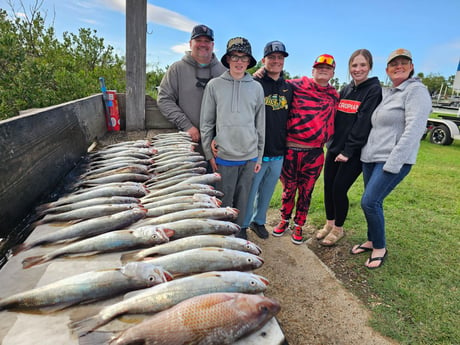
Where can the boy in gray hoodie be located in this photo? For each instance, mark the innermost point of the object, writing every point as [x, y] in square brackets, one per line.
[233, 118]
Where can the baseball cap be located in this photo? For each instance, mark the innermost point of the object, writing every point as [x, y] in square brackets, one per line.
[399, 52]
[324, 59]
[239, 44]
[275, 47]
[202, 30]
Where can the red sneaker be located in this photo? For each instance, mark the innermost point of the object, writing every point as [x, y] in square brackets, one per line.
[281, 228]
[296, 236]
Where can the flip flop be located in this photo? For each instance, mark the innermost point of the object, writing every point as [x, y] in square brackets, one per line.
[379, 258]
[363, 249]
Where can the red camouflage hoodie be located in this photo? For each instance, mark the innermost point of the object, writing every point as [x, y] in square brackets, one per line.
[311, 118]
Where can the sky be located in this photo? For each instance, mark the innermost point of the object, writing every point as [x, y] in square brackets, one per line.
[429, 29]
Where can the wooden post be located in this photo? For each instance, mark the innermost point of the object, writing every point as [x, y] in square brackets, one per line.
[136, 31]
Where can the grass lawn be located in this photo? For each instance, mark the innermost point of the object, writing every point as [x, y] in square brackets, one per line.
[415, 296]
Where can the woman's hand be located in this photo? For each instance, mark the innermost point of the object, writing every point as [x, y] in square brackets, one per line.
[341, 158]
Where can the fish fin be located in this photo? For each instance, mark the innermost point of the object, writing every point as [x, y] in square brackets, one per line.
[99, 338]
[87, 325]
[57, 307]
[32, 261]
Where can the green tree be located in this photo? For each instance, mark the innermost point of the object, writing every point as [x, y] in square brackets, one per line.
[433, 82]
[153, 80]
[38, 70]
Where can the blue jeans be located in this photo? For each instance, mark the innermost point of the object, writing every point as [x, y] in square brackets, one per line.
[377, 185]
[262, 189]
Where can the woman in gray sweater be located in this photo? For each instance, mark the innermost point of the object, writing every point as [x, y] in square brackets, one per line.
[398, 124]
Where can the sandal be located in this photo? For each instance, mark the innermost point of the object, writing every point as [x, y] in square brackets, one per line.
[379, 258]
[361, 248]
[332, 238]
[323, 232]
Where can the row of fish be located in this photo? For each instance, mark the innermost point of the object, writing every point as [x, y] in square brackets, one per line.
[154, 197]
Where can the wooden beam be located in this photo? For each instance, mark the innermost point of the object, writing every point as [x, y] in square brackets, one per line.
[136, 31]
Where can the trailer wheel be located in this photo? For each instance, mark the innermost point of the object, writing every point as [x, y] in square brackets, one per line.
[440, 135]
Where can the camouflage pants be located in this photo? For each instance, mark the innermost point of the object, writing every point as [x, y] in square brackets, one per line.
[301, 169]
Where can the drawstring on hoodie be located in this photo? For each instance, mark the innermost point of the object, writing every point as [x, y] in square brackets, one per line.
[236, 96]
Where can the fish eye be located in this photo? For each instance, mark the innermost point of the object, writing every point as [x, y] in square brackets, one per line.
[252, 283]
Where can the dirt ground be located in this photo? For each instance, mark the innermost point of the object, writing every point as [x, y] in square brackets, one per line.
[310, 282]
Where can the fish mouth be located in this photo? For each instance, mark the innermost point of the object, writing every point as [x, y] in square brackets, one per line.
[217, 201]
[255, 246]
[168, 233]
[263, 280]
[167, 276]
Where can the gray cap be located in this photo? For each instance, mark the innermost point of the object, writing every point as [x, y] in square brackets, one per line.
[399, 52]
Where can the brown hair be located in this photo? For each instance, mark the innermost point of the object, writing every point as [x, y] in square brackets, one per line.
[364, 52]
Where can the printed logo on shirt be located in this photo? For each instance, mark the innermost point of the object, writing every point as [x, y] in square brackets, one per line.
[348, 106]
[277, 102]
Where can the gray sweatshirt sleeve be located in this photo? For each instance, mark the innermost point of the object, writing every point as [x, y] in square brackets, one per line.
[168, 99]
[417, 109]
[208, 121]
[260, 125]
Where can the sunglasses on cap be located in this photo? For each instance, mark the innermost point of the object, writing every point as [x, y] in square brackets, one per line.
[325, 59]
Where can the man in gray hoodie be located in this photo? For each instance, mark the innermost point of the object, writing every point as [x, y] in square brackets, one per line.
[181, 89]
[233, 117]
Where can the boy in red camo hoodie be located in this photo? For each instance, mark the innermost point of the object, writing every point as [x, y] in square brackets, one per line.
[310, 125]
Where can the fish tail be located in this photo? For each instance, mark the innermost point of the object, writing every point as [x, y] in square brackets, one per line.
[125, 258]
[43, 207]
[38, 222]
[85, 326]
[40, 212]
[32, 261]
[96, 338]
[20, 248]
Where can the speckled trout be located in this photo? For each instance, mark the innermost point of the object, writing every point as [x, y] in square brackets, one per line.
[192, 242]
[87, 228]
[88, 286]
[118, 240]
[191, 227]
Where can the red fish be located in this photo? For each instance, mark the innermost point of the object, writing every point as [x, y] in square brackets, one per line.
[217, 318]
